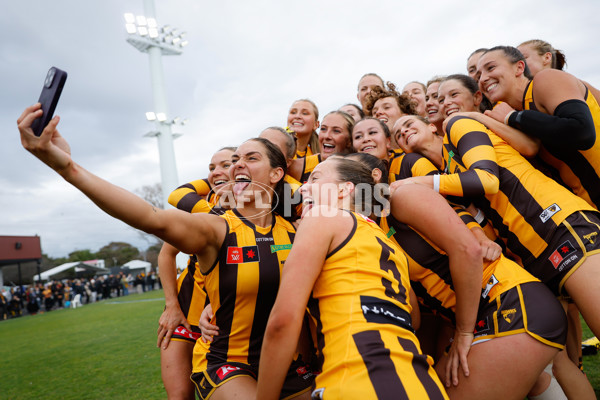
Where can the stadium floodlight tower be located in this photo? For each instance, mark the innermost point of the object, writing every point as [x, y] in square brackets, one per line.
[145, 35]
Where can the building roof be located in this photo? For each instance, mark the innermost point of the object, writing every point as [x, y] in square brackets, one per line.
[78, 266]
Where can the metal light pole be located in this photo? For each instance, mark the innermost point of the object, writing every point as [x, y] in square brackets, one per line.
[147, 37]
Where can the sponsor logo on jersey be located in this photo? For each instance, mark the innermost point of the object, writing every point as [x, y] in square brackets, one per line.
[279, 247]
[390, 232]
[508, 314]
[559, 256]
[591, 237]
[225, 370]
[239, 255]
[491, 283]
[549, 212]
[380, 311]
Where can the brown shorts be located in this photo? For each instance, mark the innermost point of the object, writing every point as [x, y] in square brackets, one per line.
[575, 239]
[527, 308]
[299, 378]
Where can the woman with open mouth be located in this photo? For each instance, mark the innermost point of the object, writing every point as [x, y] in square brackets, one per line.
[554, 107]
[372, 136]
[184, 295]
[334, 138]
[355, 283]
[530, 212]
[473, 289]
[203, 194]
[240, 253]
[303, 120]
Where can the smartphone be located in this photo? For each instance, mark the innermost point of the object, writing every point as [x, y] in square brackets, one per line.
[53, 86]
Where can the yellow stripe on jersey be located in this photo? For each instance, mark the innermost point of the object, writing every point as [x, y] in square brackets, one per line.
[303, 154]
[190, 292]
[360, 302]
[310, 162]
[405, 165]
[430, 270]
[193, 197]
[242, 286]
[578, 169]
[469, 160]
[527, 207]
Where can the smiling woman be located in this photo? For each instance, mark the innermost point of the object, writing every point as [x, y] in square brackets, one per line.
[360, 297]
[388, 105]
[229, 247]
[303, 119]
[334, 134]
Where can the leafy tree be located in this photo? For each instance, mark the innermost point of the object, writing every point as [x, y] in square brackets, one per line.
[81, 255]
[153, 195]
[118, 253]
[152, 254]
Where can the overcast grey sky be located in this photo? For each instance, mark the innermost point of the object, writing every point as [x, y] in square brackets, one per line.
[245, 64]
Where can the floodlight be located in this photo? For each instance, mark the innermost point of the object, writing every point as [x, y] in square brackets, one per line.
[162, 117]
[142, 30]
[151, 23]
[141, 20]
[129, 18]
[131, 29]
[150, 116]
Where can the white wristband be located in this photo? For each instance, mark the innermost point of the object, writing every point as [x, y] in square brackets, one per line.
[508, 116]
[479, 217]
[436, 183]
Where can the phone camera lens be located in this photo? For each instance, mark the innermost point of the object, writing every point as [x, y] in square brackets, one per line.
[49, 78]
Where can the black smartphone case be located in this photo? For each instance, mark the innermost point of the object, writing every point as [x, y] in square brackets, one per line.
[53, 85]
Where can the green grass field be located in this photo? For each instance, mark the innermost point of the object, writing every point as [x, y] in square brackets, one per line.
[105, 350]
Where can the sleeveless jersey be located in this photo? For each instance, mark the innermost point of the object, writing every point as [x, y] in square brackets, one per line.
[578, 169]
[360, 304]
[242, 286]
[190, 292]
[310, 162]
[303, 154]
[295, 196]
[525, 208]
[404, 165]
[430, 271]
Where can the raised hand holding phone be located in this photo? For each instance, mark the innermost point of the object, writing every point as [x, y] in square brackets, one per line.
[53, 86]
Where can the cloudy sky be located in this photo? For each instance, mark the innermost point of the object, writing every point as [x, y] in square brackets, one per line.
[247, 61]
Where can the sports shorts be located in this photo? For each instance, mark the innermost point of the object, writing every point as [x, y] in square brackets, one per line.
[299, 378]
[573, 241]
[526, 308]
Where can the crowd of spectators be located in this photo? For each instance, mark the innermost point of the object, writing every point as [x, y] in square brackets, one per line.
[31, 299]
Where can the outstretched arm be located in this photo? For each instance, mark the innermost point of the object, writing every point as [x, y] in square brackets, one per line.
[429, 213]
[189, 233]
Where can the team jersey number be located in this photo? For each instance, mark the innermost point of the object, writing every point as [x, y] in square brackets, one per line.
[388, 265]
